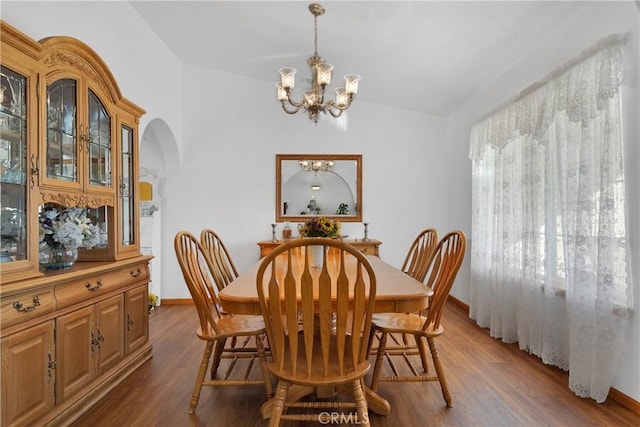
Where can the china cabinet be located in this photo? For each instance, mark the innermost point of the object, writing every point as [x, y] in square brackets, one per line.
[68, 139]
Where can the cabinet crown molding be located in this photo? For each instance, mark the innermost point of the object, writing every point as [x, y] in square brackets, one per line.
[78, 200]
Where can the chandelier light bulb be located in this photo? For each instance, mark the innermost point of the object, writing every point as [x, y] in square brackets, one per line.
[351, 83]
[310, 97]
[341, 97]
[288, 77]
[324, 73]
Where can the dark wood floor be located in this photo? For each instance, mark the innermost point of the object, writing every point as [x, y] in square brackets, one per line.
[492, 384]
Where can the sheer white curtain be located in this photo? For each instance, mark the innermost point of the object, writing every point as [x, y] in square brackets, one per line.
[550, 261]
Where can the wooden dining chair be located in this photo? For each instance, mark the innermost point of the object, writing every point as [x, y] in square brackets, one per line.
[416, 265]
[416, 262]
[224, 272]
[215, 327]
[317, 322]
[440, 276]
[214, 248]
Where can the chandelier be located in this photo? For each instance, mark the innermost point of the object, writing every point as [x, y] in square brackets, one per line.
[313, 100]
[316, 165]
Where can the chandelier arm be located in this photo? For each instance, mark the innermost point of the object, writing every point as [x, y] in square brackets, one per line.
[331, 111]
[295, 104]
[331, 105]
[284, 107]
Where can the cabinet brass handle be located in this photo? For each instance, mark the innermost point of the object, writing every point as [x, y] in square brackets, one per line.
[92, 288]
[51, 365]
[99, 339]
[129, 323]
[34, 169]
[135, 273]
[84, 138]
[96, 341]
[22, 309]
[81, 137]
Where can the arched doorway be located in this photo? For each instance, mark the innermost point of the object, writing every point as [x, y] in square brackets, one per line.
[158, 154]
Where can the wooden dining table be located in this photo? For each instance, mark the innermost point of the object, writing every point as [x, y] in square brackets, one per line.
[396, 292]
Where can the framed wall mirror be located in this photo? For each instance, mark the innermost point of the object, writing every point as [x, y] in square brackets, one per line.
[319, 185]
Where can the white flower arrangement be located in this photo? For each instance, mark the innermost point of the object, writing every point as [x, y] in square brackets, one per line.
[71, 229]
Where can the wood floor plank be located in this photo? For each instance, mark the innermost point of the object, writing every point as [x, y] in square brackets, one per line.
[492, 384]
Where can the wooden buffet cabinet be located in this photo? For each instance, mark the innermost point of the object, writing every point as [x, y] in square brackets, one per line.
[369, 247]
[68, 138]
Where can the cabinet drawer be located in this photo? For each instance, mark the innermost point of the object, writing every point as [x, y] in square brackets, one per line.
[98, 284]
[135, 273]
[367, 250]
[26, 305]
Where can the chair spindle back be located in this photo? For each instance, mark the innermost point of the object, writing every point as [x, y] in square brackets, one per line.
[296, 320]
[416, 263]
[442, 272]
[197, 272]
[216, 250]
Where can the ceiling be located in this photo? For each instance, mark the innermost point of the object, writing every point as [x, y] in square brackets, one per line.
[425, 56]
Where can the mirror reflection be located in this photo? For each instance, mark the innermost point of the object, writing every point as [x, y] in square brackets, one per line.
[318, 184]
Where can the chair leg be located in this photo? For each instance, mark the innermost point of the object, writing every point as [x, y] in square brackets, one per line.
[423, 352]
[377, 370]
[200, 378]
[263, 366]
[217, 356]
[439, 371]
[361, 403]
[278, 407]
[405, 341]
[372, 336]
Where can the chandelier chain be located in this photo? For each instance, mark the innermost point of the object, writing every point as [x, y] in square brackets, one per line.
[315, 35]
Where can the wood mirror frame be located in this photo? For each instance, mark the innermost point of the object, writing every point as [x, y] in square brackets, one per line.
[289, 174]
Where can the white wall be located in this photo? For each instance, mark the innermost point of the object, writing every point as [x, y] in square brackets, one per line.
[594, 22]
[234, 127]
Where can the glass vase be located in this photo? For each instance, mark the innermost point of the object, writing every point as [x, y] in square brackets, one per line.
[57, 258]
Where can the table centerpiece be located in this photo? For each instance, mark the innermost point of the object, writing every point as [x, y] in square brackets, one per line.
[319, 226]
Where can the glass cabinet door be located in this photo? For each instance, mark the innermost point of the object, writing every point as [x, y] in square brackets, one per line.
[127, 201]
[61, 160]
[13, 163]
[99, 143]
[78, 137]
